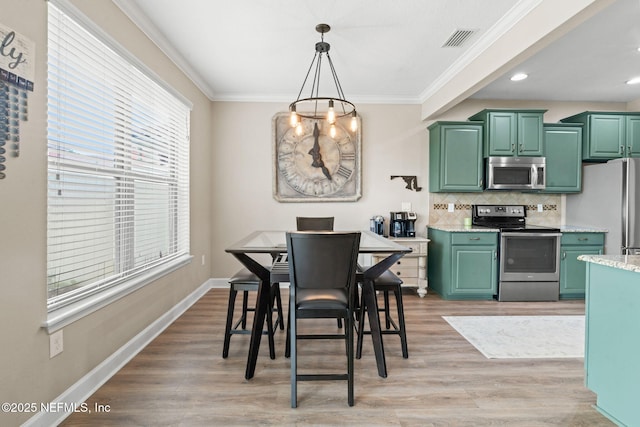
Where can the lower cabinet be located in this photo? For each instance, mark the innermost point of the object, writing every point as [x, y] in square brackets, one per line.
[411, 268]
[463, 265]
[573, 272]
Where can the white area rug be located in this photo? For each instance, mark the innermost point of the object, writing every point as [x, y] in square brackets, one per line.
[505, 337]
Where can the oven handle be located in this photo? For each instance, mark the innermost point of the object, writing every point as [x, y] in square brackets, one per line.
[541, 234]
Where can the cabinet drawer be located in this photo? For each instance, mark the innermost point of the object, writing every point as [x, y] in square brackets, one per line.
[478, 238]
[404, 262]
[417, 246]
[405, 272]
[582, 239]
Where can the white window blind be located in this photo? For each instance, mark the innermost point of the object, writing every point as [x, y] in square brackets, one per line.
[118, 166]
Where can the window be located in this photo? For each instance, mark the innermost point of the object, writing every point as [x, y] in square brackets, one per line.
[118, 165]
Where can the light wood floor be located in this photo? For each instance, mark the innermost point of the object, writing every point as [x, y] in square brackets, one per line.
[182, 379]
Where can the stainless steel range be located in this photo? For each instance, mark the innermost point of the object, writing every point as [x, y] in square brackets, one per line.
[529, 255]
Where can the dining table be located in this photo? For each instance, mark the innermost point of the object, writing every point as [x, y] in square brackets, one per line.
[274, 243]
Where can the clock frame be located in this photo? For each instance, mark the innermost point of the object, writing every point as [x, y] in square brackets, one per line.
[313, 166]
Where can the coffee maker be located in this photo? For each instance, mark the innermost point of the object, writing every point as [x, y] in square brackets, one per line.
[403, 224]
[377, 225]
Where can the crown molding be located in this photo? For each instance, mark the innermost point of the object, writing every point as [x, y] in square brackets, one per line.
[136, 15]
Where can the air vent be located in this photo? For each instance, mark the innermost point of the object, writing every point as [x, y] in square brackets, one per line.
[458, 38]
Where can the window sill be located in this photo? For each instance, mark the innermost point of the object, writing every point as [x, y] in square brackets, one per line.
[64, 316]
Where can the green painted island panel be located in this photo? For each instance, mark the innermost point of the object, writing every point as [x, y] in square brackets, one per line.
[612, 353]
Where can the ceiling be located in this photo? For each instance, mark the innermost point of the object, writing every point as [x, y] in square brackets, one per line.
[391, 52]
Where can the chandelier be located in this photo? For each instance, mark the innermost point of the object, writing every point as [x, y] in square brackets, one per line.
[322, 107]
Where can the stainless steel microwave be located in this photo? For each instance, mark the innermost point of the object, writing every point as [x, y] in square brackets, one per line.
[515, 173]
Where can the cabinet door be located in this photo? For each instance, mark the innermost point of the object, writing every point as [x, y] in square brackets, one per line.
[461, 159]
[530, 140]
[632, 149]
[501, 133]
[573, 273]
[563, 148]
[606, 137]
[474, 270]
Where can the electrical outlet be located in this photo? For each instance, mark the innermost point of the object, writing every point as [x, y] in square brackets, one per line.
[56, 343]
[540, 207]
[202, 259]
[451, 207]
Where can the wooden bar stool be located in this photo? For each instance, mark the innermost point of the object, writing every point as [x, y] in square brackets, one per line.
[245, 281]
[387, 282]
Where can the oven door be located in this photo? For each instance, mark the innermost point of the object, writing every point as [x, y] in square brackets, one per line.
[533, 257]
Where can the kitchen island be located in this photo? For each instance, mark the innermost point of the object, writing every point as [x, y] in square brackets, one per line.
[612, 340]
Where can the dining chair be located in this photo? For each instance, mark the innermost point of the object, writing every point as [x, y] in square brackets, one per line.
[310, 223]
[322, 273]
[315, 223]
[387, 282]
[245, 281]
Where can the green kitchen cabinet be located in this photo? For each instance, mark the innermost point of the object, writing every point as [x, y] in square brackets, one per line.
[512, 132]
[463, 265]
[563, 149]
[608, 135]
[572, 271]
[455, 157]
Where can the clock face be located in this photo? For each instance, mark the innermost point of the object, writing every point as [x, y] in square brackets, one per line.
[313, 166]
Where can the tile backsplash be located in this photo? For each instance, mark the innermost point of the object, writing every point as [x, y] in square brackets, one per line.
[439, 206]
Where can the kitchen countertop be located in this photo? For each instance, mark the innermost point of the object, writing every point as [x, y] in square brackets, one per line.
[581, 229]
[455, 228]
[463, 228]
[622, 262]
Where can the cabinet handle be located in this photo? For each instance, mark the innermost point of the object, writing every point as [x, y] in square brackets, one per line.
[583, 239]
[513, 147]
[495, 255]
[481, 182]
[521, 148]
[399, 262]
[629, 150]
[621, 149]
[564, 255]
[474, 238]
[397, 273]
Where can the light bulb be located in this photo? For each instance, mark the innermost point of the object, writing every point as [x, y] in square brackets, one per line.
[299, 129]
[293, 118]
[331, 114]
[332, 131]
[354, 122]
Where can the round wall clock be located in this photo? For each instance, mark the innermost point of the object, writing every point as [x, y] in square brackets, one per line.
[313, 166]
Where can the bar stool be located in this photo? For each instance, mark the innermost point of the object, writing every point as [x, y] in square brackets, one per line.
[385, 283]
[245, 281]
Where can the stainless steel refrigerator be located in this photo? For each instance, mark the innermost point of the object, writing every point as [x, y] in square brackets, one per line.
[610, 200]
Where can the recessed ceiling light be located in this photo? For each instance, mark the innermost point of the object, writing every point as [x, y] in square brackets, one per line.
[633, 81]
[518, 77]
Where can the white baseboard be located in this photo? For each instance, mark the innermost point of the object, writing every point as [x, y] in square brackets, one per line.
[92, 381]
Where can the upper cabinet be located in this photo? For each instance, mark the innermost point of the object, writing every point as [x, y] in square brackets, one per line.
[608, 135]
[455, 157]
[512, 132]
[563, 149]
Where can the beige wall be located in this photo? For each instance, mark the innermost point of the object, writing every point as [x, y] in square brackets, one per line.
[26, 372]
[394, 142]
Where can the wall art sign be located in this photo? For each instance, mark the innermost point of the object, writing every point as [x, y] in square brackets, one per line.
[17, 70]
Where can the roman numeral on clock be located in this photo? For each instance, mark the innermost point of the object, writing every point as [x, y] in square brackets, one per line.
[344, 172]
[348, 156]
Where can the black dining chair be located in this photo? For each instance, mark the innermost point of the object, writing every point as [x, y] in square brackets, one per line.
[386, 283]
[315, 223]
[322, 273]
[245, 281]
[310, 223]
